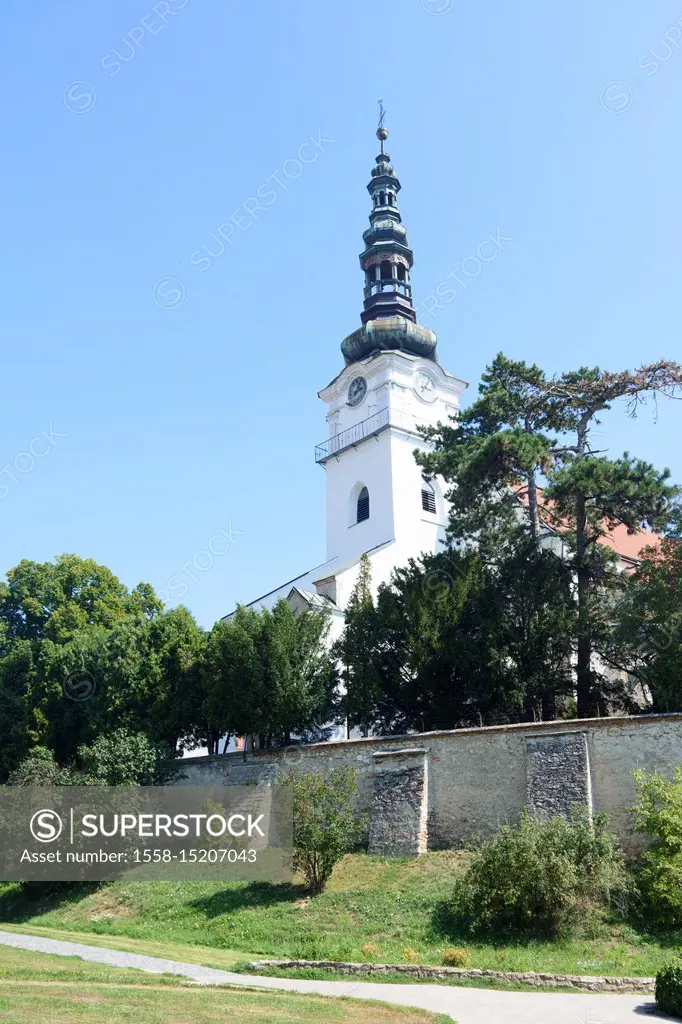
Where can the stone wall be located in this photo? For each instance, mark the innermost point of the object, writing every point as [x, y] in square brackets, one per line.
[558, 774]
[473, 780]
[399, 817]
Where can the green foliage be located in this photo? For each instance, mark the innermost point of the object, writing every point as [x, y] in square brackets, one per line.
[502, 441]
[123, 758]
[622, 492]
[119, 758]
[268, 674]
[669, 988]
[648, 625]
[454, 641]
[355, 651]
[39, 768]
[55, 600]
[526, 429]
[16, 674]
[80, 655]
[541, 877]
[325, 824]
[658, 816]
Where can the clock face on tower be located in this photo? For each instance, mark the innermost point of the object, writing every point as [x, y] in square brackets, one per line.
[357, 390]
[425, 387]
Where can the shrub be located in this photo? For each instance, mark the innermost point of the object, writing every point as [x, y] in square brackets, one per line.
[541, 877]
[658, 815]
[410, 955]
[455, 958]
[325, 826]
[125, 758]
[669, 988]
[370, 949]
[40, 768]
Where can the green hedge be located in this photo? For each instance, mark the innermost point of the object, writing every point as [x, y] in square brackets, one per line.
[669, 988]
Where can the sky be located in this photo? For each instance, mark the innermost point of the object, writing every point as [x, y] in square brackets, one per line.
[159, 410]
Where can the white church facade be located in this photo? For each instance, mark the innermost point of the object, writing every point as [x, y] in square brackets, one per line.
[377, 501]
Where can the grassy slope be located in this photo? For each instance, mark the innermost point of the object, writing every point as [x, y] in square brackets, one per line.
[37, 987]
[391, 905]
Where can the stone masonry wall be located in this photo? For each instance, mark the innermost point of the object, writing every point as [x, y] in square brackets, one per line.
[476, 779]
[558, 774]
[399, 817]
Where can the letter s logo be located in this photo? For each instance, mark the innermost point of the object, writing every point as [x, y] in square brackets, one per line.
[46, 826]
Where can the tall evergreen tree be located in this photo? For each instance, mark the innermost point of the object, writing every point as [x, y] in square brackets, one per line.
[526, 429]
[268, 675]
[355, 652]
[593, 494]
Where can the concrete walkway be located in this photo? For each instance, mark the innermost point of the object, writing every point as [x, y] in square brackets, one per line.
[465, 1005]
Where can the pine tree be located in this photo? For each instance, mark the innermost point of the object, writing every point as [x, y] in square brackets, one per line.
[526, 429]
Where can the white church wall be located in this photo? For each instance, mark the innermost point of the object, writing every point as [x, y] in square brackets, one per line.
[369, 465]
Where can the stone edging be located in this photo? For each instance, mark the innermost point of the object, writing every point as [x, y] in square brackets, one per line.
[544, 980]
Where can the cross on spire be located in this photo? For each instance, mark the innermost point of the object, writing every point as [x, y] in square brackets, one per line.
[382, 134]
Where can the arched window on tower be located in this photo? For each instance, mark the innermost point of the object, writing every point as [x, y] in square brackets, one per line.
[363, 506]
[401, 272]
[428, 498]
[386, 271]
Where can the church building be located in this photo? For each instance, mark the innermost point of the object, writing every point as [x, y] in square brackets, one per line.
[377, 501]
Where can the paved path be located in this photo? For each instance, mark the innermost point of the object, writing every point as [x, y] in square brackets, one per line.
[465, 1005]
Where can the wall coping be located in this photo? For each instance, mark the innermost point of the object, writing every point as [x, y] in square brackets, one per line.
[558, 727]
[404, 752]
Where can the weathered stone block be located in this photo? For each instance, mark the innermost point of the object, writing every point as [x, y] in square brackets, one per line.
[399, 817]
[558, 774]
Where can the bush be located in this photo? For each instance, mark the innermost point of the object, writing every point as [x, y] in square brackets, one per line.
[658, 815]
[541, 877]
[325, 826]
[125, 758]
[455, 958]
[669, 988]
[39, 768]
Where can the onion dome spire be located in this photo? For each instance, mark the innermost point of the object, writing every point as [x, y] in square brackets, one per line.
[387, 259]
[388, 316]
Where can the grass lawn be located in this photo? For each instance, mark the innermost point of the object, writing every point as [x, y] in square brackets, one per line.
[390, 907]
[58, 990]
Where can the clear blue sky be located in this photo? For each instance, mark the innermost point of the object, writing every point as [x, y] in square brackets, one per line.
[180, 422]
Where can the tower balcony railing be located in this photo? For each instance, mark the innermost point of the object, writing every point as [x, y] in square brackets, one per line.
[354, 435]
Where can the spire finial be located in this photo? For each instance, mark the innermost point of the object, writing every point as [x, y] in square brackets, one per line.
[382, 133]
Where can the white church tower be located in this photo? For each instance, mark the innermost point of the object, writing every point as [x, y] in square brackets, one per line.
[378, 503]
[377, 500]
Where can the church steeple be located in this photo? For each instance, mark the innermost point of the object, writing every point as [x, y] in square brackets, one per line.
[387, 259]
[388, 316]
